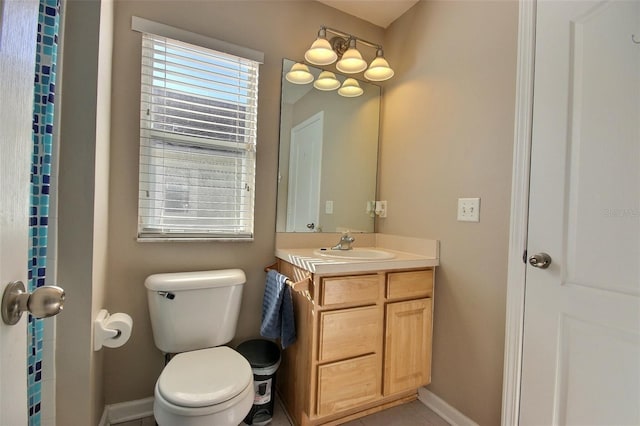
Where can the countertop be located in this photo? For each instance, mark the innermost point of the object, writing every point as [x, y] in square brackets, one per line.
[306, 259]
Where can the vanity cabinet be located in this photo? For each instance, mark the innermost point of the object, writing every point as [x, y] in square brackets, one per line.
[363, 344]
[408, 330]
[407, 345]
[345, 333]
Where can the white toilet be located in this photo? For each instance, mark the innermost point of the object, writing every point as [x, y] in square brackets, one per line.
[191, 314]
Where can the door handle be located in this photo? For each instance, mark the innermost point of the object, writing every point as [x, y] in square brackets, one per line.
[311, 225]
[540, 260]
[44, 302]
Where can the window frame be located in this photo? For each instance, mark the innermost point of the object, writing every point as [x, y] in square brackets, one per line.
[247, 159]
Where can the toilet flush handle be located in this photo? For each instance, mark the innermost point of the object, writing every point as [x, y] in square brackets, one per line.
[167, 295]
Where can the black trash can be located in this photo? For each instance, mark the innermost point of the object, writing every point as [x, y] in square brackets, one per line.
[264, 357]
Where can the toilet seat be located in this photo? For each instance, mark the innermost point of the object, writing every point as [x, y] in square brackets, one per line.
[244, 398]
[205, 379]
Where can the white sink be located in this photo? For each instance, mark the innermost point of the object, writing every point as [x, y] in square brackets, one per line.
[355, 254]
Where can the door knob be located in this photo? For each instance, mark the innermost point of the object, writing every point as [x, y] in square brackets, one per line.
[540, 260]
[44, 302]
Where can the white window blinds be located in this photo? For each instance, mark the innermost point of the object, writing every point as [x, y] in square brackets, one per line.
[197, 142]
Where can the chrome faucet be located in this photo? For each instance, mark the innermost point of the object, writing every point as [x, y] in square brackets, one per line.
[345, 242]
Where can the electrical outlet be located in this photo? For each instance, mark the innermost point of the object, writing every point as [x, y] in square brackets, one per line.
[381, 208]
[468, 209]
[328, 207]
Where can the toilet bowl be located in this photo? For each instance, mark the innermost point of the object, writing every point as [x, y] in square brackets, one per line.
[192, 315]
[204, 388]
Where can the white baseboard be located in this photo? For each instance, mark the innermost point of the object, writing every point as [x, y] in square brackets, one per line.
[443, 409]
[103, 419]
[127, 411]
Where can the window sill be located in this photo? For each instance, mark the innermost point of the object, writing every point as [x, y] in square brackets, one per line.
[193, 240]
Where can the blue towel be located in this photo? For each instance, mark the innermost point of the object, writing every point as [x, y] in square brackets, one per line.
[277, 310]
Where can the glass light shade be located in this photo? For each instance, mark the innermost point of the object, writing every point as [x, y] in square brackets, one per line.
[351, 62]
[326, 81]
[299, 74]
[321, 53]
[350, 88]
[379, 70]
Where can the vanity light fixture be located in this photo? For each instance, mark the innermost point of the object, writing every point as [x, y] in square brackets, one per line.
[379, 69]
[321, 52]
[326, 81]
[299, 74]
[351, 61]
[350, 88]
[325, 52]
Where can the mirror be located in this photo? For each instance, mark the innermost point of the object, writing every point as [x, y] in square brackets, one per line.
[328, 157]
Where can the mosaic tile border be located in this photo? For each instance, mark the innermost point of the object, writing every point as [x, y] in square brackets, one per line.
[43, 111]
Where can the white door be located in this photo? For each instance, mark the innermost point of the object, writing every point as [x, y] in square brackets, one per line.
[581, 354]
[305, 162]
[17, 64]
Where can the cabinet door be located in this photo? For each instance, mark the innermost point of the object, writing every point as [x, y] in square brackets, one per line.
[408, 345]
[347, 384]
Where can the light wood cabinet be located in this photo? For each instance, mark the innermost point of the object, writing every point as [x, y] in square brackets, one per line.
[410, 284]
[359, 289]
[364, 344]
[349, 383]
[345, 333]
[407, 345]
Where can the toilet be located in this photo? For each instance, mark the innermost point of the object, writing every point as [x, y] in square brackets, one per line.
[192, 315]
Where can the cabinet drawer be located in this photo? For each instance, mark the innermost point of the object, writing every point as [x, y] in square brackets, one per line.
[349, 332]
[357, 289]
[346, 384]
[410, 284]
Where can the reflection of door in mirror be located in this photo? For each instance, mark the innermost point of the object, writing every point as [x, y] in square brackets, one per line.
[303, 205]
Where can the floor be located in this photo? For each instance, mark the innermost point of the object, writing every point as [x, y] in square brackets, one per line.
[413, 414]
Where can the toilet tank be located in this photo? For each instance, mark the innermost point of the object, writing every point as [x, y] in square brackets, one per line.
[194, 310]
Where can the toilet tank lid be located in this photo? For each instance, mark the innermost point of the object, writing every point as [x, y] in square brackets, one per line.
[195, 280]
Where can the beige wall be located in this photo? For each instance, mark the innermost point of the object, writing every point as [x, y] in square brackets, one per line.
[83, 206]
[279, 29]
[447, 132]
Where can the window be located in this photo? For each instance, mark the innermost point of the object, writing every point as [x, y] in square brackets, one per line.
[197, 142]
